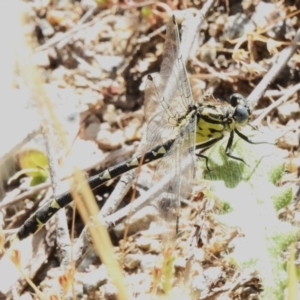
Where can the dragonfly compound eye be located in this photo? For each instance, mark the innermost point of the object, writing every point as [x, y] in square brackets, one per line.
[236, 99]
[241, 115]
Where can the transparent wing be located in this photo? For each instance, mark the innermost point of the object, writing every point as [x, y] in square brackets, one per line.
[179, 167]
[173, 73]
[168, 99]
[168, 95]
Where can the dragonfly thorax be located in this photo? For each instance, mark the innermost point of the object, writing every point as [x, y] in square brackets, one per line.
[213, 121]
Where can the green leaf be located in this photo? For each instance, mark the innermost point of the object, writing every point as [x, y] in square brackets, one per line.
[34, 163]
[283, 197]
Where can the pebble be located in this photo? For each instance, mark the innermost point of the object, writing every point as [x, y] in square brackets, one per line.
[236, 26]
[148, 261]
[46, 28]
[55, 17]
[26, 296]
[110, 141]
[80, 81]
[41, 59]
[132, 261]
[288, 111]
[137, 222]
[289, 140]
[109, 291]
[109, 63]
[143, 243]
[270, 13]
[207, 279]
[91, 281]
[208, 51]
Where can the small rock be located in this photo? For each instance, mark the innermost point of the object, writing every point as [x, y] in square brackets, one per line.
[132, 261]
[215, 28]
[132, 130]
[288, 111]
[270, 13]
[110, 292]
[293, 165]
[46, 28]
[148, 261]
[87, 4]
[105, 126]
[78, 292]
[55, 17]
[89, 98]
[51, 286]
[198, 284]
[91, 281]
[88, 263]
[26, 296]
[289, 140]
[137, 222]
[208, 51]
[109, 63]
[80, 81]
[155, 246]
[110, 141]
[209, 278]
[87, 151]
[221, 61]
[52, 53]
[236, 26]
[111, 114]
[143, 243]
[296, 217]
[180, 263]
[41, 59]
[92, 131]
[63, 4]
[60, 74]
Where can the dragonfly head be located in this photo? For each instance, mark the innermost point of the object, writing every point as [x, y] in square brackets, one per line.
[242, 109]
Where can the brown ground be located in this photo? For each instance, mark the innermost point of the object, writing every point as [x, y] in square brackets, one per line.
[94, 59]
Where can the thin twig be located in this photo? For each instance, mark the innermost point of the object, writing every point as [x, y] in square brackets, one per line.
[79, 26]
[290, 92]
[281, 62]
[191, 27]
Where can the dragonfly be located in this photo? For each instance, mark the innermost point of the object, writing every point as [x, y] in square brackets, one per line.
[177, 127]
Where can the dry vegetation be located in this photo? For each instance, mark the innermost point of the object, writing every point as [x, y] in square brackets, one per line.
[93, 59]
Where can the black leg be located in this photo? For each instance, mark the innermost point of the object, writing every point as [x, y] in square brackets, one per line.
[229, 145]
[205, 157]
[245, 138]
[206, 145]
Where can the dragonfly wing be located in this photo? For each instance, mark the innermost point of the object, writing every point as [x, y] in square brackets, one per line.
[168, 96]
[179, 167]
